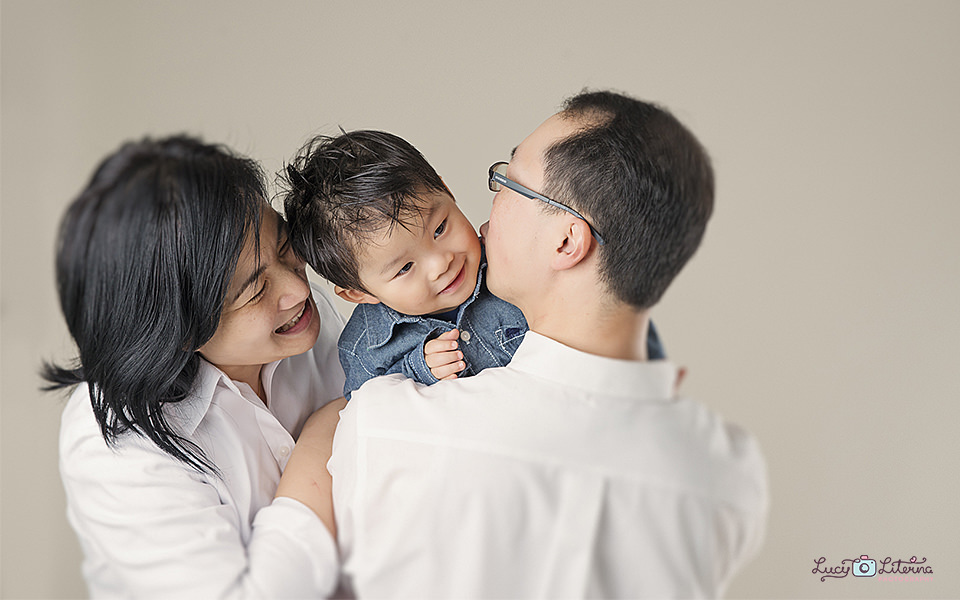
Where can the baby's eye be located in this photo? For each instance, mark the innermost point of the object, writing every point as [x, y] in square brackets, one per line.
[405, 269]
[440, 229]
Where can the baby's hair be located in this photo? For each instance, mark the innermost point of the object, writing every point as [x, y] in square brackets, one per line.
[340, 190]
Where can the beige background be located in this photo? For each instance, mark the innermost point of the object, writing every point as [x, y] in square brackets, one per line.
[821, 312]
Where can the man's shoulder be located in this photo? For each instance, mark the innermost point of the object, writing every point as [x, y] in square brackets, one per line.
[718, 456]
[674, 444]
[399, 401]
[381, 393]
[383, 388]
[383, 400]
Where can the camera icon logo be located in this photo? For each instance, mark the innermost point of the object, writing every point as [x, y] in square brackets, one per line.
[864, 566]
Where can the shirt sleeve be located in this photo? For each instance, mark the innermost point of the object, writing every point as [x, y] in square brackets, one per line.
[415, 364]
[151, 527]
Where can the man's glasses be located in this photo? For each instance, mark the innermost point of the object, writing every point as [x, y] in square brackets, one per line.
[497, 178]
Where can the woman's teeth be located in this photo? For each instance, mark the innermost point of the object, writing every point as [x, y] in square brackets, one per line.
[292, 321]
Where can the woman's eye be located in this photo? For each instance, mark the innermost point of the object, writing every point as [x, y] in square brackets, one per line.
[405, 269]
[440, 229]
[258, 295]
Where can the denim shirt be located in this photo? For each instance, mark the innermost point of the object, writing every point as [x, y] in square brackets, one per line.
[378, 340]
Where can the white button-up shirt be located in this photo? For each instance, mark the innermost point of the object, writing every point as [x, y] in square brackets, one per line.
[561, 475]
[151, 527]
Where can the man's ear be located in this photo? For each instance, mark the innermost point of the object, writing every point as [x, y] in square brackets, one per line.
[574, 245]
[355, 296]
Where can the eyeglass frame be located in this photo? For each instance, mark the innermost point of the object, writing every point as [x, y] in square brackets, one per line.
[493, 176]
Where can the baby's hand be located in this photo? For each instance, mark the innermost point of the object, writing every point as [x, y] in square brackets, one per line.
[442, 356]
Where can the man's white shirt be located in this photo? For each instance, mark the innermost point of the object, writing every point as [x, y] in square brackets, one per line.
[564, 474]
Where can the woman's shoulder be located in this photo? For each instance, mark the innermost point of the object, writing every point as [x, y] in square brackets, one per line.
[85, 453]
[78, 425]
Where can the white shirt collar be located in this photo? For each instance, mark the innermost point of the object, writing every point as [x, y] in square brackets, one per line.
[639, 380]
[188, 413]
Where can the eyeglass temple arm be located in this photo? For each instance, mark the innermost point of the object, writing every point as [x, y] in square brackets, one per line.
[522, 189]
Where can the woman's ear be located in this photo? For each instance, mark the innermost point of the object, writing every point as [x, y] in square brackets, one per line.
[355, 296]
[574, 245]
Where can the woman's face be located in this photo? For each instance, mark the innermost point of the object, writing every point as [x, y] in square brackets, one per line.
[268, 312]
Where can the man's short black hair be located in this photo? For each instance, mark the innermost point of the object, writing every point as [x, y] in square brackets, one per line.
[339, 190]
[643, 180]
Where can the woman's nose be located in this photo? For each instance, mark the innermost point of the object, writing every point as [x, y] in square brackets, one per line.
[294, 287]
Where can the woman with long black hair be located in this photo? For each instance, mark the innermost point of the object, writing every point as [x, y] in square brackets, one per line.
[202, 351]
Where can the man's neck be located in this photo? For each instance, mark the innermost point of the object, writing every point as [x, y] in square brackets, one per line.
[614, 332]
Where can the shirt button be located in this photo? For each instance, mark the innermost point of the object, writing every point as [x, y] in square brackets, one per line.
[284, 451]
[465, 336]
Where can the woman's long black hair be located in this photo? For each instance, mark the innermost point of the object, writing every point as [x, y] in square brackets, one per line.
[144, 259]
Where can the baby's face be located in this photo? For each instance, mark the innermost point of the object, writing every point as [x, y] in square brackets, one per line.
[428, 267]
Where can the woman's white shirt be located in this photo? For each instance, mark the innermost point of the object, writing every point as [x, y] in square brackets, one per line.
[150, 526]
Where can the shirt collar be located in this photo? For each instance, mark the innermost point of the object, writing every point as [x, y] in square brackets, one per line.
[641, 380]
[189, 412]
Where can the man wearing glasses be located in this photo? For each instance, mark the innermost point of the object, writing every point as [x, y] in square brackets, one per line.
[577, 470]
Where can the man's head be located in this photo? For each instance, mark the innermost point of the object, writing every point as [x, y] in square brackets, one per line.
[369, 214]
[636, 175]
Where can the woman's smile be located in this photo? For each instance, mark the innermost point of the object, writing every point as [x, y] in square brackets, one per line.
[299, 322]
